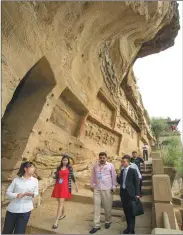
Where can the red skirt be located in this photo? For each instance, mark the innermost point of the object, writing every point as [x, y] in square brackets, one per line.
[61, 189]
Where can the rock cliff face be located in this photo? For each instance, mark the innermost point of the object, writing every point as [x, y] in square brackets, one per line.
[68, 82]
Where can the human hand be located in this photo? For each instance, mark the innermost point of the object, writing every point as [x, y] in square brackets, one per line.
[20, 195]
[92, 189]
[28, 194]
[113, 190]
[137, 197]
[119, 173]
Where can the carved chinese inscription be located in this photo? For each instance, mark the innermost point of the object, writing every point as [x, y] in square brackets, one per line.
[125, 127]
[101, 136]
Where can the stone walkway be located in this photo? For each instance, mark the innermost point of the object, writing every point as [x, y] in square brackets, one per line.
[79, 218]
[79, 213]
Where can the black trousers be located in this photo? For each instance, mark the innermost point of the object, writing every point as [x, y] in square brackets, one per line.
[127, 207]
[140, 186]
[145, 155]
[15, 223]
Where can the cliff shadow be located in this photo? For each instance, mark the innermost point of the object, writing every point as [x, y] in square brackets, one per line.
[23, 111]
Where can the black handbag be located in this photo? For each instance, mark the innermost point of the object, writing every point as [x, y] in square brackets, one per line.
[137, 207]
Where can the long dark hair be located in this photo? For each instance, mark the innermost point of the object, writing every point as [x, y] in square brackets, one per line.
[21, 171]
[64, 156]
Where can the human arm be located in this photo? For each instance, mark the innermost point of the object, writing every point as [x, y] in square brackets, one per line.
[73, 178]
[113, 175]
[135, 167]
[92, 180]
[54, 174]
[72, 175]
[136, 182]
[10, 191]
[138, 172]
[118, 178]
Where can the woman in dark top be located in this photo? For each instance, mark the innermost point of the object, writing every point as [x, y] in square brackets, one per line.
[62, 190]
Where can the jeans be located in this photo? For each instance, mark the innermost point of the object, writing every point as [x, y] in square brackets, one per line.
[16, 223]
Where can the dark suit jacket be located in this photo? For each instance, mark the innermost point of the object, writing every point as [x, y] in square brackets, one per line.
[132, 182]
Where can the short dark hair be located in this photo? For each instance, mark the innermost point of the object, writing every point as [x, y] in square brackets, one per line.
[102, 154]
[127, 157]
[21, 171]
[134, 152]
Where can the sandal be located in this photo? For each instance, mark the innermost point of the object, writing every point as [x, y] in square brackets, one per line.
[62, 217]
[55, 226]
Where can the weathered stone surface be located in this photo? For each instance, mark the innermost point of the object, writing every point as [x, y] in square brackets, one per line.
[157, 165]
[165, 231]
[161, 188]
[67, 79]
[168, 208]
[155, 155]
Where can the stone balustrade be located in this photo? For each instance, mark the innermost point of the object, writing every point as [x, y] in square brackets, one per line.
[163, 216]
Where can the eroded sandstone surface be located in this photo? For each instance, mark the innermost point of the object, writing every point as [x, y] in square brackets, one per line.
[68, 84]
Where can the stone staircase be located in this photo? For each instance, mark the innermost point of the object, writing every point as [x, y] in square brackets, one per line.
[146, 188]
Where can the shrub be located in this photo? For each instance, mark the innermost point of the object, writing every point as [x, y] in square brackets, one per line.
[172, 154]
[158, 127]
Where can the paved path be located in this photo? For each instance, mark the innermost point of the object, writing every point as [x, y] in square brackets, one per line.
[80, 214]
[79, 218]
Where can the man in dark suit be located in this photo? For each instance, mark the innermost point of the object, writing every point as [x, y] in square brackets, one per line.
[129, 190]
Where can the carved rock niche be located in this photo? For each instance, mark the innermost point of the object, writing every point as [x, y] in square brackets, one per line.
[68, 113]
[103, 110]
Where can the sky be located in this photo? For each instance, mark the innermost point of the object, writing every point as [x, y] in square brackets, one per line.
[159, 78]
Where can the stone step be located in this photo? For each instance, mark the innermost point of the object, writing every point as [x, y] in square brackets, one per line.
[145, 199]
[148, 171]
[147, 182]
[79, 219]
[149, 166]
[146, 190]
[86, 197]
[147, 176]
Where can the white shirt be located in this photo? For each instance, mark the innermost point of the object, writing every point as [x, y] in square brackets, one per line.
[125, 171]
[134, 166]
[145, 147]
[21, 185]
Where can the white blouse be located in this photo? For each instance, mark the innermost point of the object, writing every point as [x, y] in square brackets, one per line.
[22, 185]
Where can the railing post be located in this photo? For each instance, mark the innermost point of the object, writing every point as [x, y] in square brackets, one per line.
[166, 221]
[164, 216]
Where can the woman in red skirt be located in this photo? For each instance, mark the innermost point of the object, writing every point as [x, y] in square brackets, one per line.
[62, 190]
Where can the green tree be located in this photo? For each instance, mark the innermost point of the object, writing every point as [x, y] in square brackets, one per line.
[158, 127]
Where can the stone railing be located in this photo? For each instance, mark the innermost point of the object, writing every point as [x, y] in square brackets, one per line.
[163, 217]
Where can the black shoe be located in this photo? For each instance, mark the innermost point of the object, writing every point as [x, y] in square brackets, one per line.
[125, 231]
[131, 232]
[55, 226]
[94, 230]
[107, 225]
